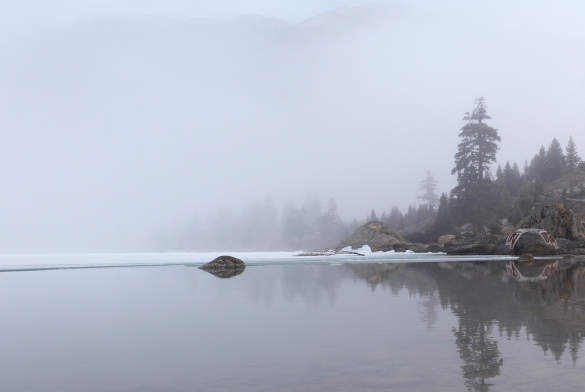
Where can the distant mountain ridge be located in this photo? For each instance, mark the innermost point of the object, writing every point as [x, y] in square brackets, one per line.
[253, 24]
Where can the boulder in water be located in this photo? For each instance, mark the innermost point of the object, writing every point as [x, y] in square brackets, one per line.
[225, 267]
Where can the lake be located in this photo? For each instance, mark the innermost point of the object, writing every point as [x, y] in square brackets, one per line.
[384, 322]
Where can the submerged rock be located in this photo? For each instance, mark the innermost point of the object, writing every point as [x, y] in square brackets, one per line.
[379, 237]
[225, 267]
[526, 259]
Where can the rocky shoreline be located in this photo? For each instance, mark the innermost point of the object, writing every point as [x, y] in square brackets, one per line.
[549, 230]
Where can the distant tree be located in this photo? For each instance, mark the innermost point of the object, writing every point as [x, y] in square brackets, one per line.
[476, 152]
[443, 222]
[555, 161]
[573, 159]
[537, 167]
[410, 217]
[294, 226]
[429, 186]
[396, 219]
[329, 225]
[373, 216]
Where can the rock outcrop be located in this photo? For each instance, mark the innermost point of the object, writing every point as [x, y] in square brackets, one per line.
[558, 220]
[418, 232]
[469, 243]
[379, 237]
[225, 267]
[434, 248]
[523, 241]
[444, 239]
[535, 241]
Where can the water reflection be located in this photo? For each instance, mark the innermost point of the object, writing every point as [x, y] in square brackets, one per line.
[226, 273]
[490, 299]
[402, 327]
[546, 271]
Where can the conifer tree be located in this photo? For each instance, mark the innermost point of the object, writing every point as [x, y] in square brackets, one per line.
[396, 219]
[476, 152]
[572, 157]
[429, 186]
[443, 221]
[537, 166]
[555, 160]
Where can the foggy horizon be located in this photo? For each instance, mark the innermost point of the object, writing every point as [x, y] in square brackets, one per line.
[120, 120]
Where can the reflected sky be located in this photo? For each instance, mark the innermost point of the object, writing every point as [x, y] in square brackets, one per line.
[408, 327]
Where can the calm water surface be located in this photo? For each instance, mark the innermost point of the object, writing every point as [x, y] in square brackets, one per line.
[441, 326]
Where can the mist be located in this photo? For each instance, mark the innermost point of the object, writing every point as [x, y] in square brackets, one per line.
[117, 126]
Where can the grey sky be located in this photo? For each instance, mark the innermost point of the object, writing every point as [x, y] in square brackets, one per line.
[24, 15]
[115, 125]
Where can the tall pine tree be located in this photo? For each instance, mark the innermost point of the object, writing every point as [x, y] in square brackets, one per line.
[476, 152]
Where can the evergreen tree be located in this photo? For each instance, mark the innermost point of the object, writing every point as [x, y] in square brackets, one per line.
[329, 225]
[572, 157]
[396, 219]
[443, 221]
[410, 216]
[373, 216]
[555, 161]
[476, 152]
[537, 166]
[429, 186]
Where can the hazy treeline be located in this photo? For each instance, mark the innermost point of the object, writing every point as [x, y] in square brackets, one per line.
[313, 224]
[261, 226]
[511, 193]
[481, 200]
[507, 197]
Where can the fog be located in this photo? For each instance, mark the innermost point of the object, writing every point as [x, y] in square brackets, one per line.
[122, 119]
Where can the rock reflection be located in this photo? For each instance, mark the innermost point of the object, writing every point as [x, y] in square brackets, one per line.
[375, 274]
[226, 273]
[545, 272]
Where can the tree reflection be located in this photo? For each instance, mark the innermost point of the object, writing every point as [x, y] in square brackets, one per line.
[545, 301]
[479, 351]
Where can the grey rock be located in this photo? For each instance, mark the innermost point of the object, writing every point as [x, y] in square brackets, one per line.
[503, 249]
[558, 220]
[434, 248]
[532, 242]
[225, 267]
[566, 245]
[379, 237]
[526, 259]
[472, 249]
[444, 239]
[469, 243]
[418, 232]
